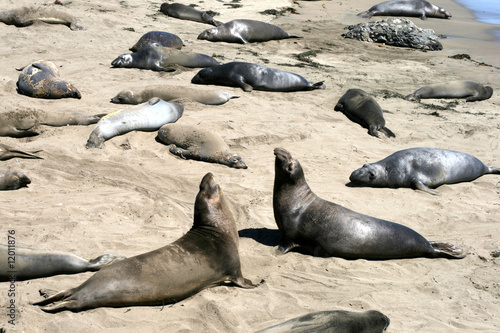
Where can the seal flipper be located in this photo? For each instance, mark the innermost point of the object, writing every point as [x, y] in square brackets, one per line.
[241, 282]
[446, 250]
[366, 14]
[422, 187]
[104, 260]
[493, 171]
[387, 132]
[17, 133]
[317, 85]
[285, 246]
[51, 296]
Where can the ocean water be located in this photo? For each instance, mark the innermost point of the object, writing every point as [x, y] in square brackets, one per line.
[487, 11]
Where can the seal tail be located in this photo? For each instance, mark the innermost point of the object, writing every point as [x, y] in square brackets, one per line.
[366, 14]
[22, 154]
[493, 170]
[294, 36]
[387, 132]
[317, 85]
[446, 250]
[412, 97]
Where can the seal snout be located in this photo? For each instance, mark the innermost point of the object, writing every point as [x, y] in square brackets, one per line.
[122, 60]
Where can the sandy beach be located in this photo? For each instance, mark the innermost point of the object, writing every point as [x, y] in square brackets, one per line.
[133, 196]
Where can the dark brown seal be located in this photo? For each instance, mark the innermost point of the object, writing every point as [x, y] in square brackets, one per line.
[13, 180]
[205, 256]
[161, 38]
[184, 12]
[470, 90]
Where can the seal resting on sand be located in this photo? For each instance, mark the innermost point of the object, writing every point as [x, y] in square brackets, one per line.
[411, 8]
[13, 180]
[7, 152]
[25, 16]
[161, 38]
[204, 257]
[470, 90]
[324, 228]
[421, 168]
[196, 143]
[184, 12]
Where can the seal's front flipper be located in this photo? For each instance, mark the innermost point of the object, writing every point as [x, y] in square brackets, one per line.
[422, 187]
[245, 283]
[285, 246]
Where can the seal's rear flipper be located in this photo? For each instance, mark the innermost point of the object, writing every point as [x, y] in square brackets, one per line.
[22, 133]
[366, 14]
[493, 170]
[446, 250]
[51, 296]
[318, 85]
[387, 132]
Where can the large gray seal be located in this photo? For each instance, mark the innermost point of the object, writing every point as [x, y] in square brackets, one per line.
[250, 76]
[196, 143]
[13, 180]
[470, 90]
[147, 117]
[324, 228]
[7, 152]
[159, 58]
[204, 257]
[245, 31]
[161, 38]
[18, 263]
[333, 322]
[362, 108]
[25, 16]
[411, 8]
[421, 168]
[184, 12]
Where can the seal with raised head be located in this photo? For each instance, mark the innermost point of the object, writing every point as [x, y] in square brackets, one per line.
[159, 58]
[161, 38]
[184, 12]
[196, 143]
[339, 321]
[7, 152]
[324, 228]
[470, 90]
[206, 256]
[33, 264]
[250, 76]
[25, 16]
[146, 117]
[421, 168]
[13, 180]
[360, 107]
[41, 79]
[171, 93]
[411, 8]
[245, 31]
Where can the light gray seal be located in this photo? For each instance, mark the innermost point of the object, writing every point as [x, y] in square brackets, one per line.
[197, 143]
[13, 180]
[19, 263]
[360, 107]
[25, 16]
[245, 31]
[206, 256]
[324, 228]
[146, 117]
[159, 58]
[250, 76]
[333, 322]
[421, 168]
[7, 152]
[171, 93]
[184, 12]
[470, 90]
[411, 8]
[161, 38]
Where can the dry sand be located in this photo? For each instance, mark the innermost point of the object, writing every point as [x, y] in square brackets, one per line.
[133, 196]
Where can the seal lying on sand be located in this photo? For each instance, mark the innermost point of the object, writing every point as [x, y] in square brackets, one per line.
[170, 93]
[147, 117]
[250, 76]
[325, 228]
[362, 108]
[184, 12]
[411, 8]
[161, 38]
[33, 264]
[41, 79]
[470, 90]
[13, 180]
[244, 31]
[204, 257]
[196, 143]
[159, 58]
[334, 322]
[7, 153]
[25, 16]
[20, 124]
[421, 168]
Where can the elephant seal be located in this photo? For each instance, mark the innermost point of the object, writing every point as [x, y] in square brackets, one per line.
[25, 16]
[21, 124]
[333, 321]
[360, 107]
[41, 79]
[196, 143]
[244, 31]
[421, 168]
[184, 12]
[470, 90]
[7, 153]
[250, 76]
[324, 228]
[159, 58]
[161, 38]
[206, 256]
[20, 263]
[411, 8]
[147, 117]
[171, 93]
[13, 180]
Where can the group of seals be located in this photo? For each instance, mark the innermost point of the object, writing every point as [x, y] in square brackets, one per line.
[196, 143]
[325, 228]
[148, 117]
[25, 16]
[412, 8]
[13, 180]
[421, 168]
[206, 256]
[160, 38]
[7, 153]
[184, 12]
[470, 90]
